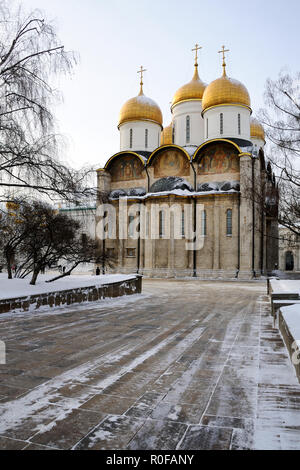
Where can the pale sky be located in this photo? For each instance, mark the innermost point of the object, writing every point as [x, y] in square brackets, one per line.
[115, 37]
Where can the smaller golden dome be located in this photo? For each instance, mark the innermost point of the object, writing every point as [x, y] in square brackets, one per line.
[225, 90]
[140, 108]
[191, 91]
[167, 135]
[256, 129]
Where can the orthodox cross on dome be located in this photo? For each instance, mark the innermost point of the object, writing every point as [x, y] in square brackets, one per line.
[141, 71]
[224, 63]
[196, 49]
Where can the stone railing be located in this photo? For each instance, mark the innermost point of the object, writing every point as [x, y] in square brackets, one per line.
[73, 296]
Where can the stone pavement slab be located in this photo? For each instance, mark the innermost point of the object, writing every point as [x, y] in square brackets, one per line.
[186, 365]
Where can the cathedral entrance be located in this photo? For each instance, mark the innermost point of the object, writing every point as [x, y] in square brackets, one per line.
[289, 261]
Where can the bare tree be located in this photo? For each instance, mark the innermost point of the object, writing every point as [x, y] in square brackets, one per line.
[35, 236]
[281, 119]
[31, 56]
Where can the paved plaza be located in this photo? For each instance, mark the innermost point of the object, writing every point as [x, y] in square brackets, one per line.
[186, 365]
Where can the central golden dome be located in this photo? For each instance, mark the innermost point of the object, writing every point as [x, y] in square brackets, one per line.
[225, 90]
[191, 91]
[140, 108]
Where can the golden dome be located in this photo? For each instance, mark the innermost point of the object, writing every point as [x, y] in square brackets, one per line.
[191, 91]
[167, 135]
[140, 108]
[256, 129]
[225, 90]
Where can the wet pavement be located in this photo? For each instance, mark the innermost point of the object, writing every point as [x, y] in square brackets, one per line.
[186, 365]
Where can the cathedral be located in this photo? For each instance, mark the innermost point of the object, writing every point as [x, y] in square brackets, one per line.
[179, 200]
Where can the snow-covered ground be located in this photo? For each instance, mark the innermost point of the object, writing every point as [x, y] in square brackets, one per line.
[189, 365]
[13, 288]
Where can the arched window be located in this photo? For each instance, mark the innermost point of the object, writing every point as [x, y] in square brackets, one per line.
[207, 128]
[229, 222]
[131, 226]
[182, 224]
[188, 129]
[239, 124]
[148, 225]
[161, 224]
[146, 138]
[289, 261]
[221, 123]
[173, 134]
[203, 224]
[130, 138]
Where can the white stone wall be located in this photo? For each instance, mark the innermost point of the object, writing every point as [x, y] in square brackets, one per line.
[180, 113]
[138, 135]
[288, 242]
[230, 122]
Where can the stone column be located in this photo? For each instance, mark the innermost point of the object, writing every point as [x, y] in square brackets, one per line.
[216, 252]
[171, 247]
[246, 271]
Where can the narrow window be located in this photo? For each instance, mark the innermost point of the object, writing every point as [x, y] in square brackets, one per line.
[188, 129]
[182, 224]
[173, 134]
[148, 225]
[221, 123]
[239, 124]
[203, 224]
[130, 226]
[207, 128]
[229, 222]
[161, 224]
[146, 138]
[130, 138]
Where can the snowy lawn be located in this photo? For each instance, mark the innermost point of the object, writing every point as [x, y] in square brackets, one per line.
[13, 288]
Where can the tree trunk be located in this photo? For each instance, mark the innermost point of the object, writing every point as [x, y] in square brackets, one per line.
[34, 277]
[8, 266]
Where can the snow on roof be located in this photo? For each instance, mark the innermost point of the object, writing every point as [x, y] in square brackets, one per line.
[179, 192]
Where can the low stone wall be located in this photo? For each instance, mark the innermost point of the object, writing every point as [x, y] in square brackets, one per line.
[73, 296]
[289, 341]
[281, 298]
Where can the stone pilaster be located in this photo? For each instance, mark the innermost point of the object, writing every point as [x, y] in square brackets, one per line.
[246, 270]
[104, 181]
[216, 251]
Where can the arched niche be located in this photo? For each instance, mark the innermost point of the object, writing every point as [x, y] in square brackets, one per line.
[126, 166]
[169, 160]
[218, 157]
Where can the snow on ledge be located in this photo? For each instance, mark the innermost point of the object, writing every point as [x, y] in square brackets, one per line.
[285, 285]
[15, 288]
[291, 316]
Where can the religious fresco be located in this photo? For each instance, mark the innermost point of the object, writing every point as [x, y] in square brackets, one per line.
[171, 163]
[217, 159]
[126, 168]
